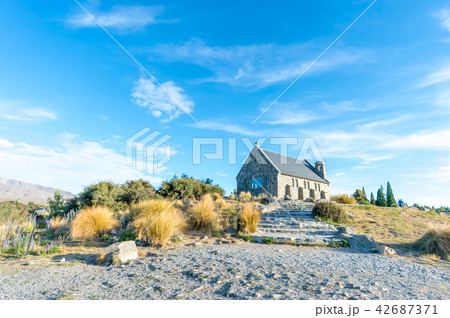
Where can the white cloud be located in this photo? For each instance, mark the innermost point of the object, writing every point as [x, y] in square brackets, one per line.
[6, 143]
[431, 140]
[166, 104]
[16, 111]
[256, 65]
[444, 16]
[119, 17]
[69, 166]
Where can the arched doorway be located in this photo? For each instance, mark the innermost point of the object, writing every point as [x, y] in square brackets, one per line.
[300, 194]
[288, 190]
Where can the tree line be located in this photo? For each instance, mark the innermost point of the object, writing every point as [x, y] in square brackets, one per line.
[387, 200]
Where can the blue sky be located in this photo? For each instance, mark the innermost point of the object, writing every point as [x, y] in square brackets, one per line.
[377, 103]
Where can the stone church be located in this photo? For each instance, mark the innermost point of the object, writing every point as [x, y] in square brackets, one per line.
[282, 176]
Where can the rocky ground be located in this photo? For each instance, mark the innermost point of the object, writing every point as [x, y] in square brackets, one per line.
[226, 271]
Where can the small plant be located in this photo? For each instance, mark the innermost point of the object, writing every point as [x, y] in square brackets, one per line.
[204, 213]
[435, 241]
[336, 244]
[329, 211]
[245, 237]
[127, 236]
[92, 222]
[249, 218]
[218, 234]
[221, 204]
[157, 221]
[268, 240]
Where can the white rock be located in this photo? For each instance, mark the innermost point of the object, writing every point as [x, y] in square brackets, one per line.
[124, 251]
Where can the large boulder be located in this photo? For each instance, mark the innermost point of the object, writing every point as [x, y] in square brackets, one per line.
[121, 252]
[346, 230]
[361, 242]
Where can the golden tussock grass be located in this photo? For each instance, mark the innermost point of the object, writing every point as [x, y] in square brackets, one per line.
[435, 241]
[157, 221]
[249, 218]
[204, 213]
[221, 204]
[58, 224]
[343, 199]
[245, 196]
[91, 222]
[216, 196]
[232, 196]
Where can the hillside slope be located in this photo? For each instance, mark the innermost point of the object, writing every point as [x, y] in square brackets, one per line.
[12, 190]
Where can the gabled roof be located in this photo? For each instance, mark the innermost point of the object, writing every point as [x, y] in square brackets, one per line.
[292, 166]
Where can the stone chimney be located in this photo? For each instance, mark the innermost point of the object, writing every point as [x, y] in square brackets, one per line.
[320, 169]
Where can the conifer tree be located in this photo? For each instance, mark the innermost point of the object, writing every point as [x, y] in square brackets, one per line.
[364, 192]
[381, 199]
[390, 196]
[372, 198]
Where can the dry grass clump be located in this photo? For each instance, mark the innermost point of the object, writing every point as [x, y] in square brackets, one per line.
[329, 211]
[430, 258]
[204, 213]
[221, 204]
[216, 196]
[91, 222]
[435, 241]
[245, 196]
[343, 199]
[249, 218]
[232, 196]
[157, 221]
[58, 224]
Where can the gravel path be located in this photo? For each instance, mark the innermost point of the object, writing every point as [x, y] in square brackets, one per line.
[243, 271]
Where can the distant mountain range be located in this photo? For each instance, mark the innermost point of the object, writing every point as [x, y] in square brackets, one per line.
[12, 190]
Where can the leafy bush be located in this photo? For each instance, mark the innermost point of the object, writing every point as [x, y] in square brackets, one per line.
[360, 197]
[204, 213]
[188, 187]
[249, 218]
[343, 199]
[329, 211]
[157, 221]
[137, 191]
[105, 194]
[93, 221]
[435, 241]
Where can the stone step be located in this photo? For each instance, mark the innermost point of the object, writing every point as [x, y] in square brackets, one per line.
[312, 226]
[298, 231]
[304, 239]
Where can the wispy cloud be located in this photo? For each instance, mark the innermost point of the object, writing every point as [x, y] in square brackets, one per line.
[159, 103]
[256, 65]
[231, 128]
[444, 17]
[119, 17]
[69, 166]
[432, 140]
[439, 76]
[285, 115]
[15, 111]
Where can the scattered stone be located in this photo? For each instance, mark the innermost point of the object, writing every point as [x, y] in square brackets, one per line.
[350, 215]
[197, 244]
[205, 237]
[346, 230]
[195, 290]
[122, 251]
[230, 230]
[277, 296]
[385, 250]
[362, 242]
[62, 260]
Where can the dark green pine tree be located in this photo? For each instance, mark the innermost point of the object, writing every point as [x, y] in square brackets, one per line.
[372, 198]
[364, 192]
[381, 199]
[390, 196]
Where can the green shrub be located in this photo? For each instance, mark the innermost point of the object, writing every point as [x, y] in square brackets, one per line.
[188, 187]
[245, 237]
[336, 244]
[268, 240]
[343, 199]
[329, 211]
